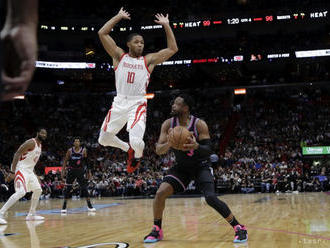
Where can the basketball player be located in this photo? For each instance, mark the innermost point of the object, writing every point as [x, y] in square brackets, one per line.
[22, 167]
[77, 158]
[132, 73]
[192, 163]
[18, 47]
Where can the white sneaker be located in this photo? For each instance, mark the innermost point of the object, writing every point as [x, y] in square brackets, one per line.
[64, 211]
[2, 220]
[33, 217]
[91, 209]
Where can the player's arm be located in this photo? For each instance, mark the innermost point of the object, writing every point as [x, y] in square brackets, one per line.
[24, 148]
[203, 145]
[108, 43]
[162, 146]
[65, 161]
[156, 58]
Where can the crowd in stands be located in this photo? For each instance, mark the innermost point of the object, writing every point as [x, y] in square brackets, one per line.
[263, 155]
[267, 145]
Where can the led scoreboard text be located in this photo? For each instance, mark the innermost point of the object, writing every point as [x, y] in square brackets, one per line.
[266, 18]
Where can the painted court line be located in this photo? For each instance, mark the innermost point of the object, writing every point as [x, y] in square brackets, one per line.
[71, 210]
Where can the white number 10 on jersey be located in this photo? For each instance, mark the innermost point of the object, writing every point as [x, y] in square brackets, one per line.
[130, 77]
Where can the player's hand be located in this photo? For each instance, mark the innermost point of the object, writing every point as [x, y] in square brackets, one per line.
[161, 19]
[19, 57]
[124, 14]
[191, 143]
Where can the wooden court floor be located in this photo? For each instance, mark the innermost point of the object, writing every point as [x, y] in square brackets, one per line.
[284, 220]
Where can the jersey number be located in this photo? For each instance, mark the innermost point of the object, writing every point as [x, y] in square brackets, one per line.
[130, 77]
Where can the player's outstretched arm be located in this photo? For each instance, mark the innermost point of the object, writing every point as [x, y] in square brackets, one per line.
[156, 58]
[162, 146]
[108, 43]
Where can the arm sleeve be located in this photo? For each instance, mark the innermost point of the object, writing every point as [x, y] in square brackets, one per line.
[204, 148]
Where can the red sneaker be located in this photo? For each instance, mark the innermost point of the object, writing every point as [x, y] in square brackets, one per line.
[132, 162]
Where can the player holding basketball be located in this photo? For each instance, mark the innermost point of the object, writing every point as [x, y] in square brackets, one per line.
[193, 163]
[76, 157]
[132, 73]
[22, 167]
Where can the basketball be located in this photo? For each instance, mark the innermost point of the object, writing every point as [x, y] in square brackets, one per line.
[178, 137]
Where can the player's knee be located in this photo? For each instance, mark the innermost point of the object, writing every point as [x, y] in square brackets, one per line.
[211, 199]
[19, 194]
[105, 138]
[67, 189]
[102, 140]
[36, 193]
[161, 194]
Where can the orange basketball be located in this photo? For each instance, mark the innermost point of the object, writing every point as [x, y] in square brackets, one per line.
[178, 137]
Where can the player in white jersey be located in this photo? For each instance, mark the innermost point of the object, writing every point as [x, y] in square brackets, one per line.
[132, 73]
[25, 180]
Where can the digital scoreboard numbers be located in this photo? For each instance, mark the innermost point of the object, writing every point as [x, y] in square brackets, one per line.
[233, 21]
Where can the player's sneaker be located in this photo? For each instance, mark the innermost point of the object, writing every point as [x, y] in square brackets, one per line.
[34, 217]
[91, 209]
[155, 235]
[241, 234]
[132, 162]
[64, 211]
[2, 220]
